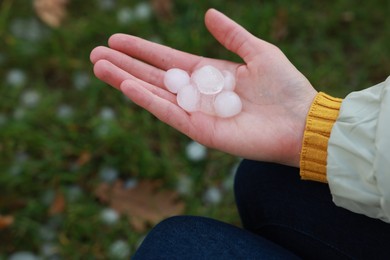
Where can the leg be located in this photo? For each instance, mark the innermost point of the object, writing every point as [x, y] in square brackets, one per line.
[202, 238]
[299, 215]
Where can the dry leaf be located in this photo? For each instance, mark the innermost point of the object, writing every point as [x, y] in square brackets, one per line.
[280, 25]
[163, 8]
[58, 205]
[52, 12]
[144, 204]
[6, 221]
[84, 158]
[347, 16]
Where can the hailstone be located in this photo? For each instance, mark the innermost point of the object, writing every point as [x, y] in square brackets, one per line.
[175, 79]
[208, 79]
[188, 98]
[206, 104]
[208, 90]
[227, 104]
[229, 80]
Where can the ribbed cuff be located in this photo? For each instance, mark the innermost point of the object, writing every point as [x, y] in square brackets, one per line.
[321, 117]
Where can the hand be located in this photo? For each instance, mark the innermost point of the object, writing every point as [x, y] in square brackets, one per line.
[276, 97]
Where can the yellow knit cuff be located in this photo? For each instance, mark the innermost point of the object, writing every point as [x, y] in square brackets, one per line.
[322, 115]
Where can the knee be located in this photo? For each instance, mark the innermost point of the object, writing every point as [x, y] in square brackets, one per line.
[164, 237]
[170, 225]
[173, 235]
[177, 228]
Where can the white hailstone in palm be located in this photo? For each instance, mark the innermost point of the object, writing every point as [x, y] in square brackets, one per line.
[119, 249]
[208, 90]
[229, 80]
[212, 195]
[206, 104]
[208, 79]
[227, 104]
[109, 216]
[175, 79]
[195, 151]
[188, 98]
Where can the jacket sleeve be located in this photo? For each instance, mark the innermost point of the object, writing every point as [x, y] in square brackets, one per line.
[358, 154]
[319, 122]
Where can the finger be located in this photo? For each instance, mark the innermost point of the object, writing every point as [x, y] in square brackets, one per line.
[109, 73]
[163, 109]
[114, 76]
[158, 55]
[231, 35]
[138, 69]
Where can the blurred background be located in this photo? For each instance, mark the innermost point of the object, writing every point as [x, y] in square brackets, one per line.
[84, 172]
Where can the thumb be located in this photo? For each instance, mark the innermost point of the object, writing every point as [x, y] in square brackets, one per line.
[233, 36]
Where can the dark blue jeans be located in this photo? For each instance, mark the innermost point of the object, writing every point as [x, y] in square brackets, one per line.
[283, 218]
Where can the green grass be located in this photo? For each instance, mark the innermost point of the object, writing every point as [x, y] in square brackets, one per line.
[55, 115]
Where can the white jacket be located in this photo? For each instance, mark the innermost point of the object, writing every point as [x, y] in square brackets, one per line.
[358, 162]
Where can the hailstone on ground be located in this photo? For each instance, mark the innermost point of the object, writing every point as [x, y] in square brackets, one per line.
[207, 89]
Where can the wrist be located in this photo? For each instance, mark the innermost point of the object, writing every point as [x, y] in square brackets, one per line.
[319, 122]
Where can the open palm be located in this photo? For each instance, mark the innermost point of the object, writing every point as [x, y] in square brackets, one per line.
[275, 95]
